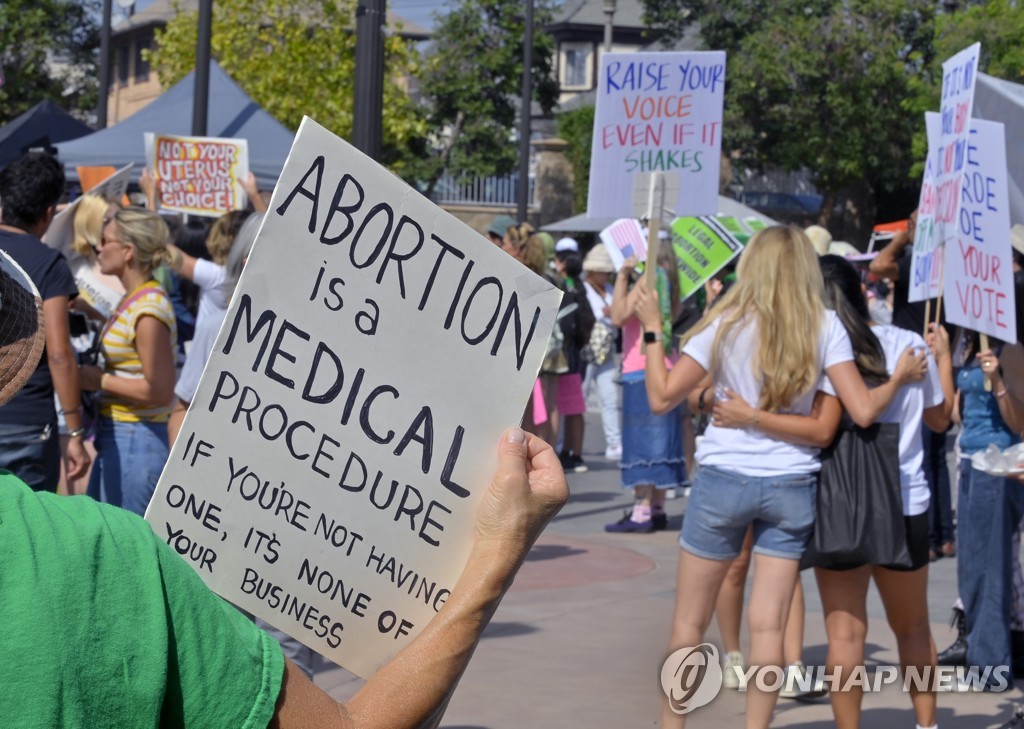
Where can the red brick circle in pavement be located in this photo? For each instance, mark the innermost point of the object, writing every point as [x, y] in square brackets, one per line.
[558, 561]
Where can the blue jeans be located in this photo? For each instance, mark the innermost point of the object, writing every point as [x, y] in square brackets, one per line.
[32, 453]
[989, 509]
[936, 472]
[130, 457]
[604, 378]
[724, 503]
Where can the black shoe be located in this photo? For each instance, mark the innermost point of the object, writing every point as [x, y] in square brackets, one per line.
[659, 521]
[626, 525]
[1017, 653]
[956, 654]
[571, 463]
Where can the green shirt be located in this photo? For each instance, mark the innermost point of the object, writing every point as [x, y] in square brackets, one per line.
[103, 625]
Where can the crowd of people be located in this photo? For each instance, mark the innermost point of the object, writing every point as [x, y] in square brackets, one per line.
[746, 397]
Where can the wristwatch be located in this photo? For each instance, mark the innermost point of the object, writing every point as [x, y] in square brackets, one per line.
[652, 337]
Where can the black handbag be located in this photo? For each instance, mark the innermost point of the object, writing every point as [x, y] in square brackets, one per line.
[859, 514]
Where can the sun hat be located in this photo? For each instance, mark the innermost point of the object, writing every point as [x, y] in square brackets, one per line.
[842, 248]
[567, 244]
[500, 225]
[1017, 238]
[820, 239]
[22, 334]
[597, 260]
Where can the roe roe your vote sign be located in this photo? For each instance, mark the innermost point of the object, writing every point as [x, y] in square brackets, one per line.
[328, 472]
[657, 112]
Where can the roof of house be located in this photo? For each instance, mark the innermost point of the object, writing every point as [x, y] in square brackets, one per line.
[628, 13]
[160, 11]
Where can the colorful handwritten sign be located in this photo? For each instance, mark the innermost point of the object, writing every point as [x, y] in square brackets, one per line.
[959, 74]
[703, 246]
[657, 112]
[926, 255]
[198, 175]
[328, 473]
[978, 288]
[624, 239]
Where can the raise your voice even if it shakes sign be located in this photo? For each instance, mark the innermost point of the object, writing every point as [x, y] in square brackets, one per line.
[328, 472]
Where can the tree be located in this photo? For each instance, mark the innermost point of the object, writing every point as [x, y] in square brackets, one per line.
[471, 82]
[576, 127]
[47, 51]
[296, 57]
[999, 26]
[818, 86]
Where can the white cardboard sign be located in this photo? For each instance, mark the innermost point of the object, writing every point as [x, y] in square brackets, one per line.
[959, 74]
[327, 475]
[657, 112]
[978, 288]
[198, 175]
[926, 255]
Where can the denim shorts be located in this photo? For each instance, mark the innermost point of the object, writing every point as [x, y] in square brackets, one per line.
[723, 504]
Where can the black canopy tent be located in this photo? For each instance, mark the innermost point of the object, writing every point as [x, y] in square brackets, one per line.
[41, 127]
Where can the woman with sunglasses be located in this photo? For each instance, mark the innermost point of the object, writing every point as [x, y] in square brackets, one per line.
[136, 384]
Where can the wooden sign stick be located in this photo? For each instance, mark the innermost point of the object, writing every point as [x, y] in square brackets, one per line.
[655, 209]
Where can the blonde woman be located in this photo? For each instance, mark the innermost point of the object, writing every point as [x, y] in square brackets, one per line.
[137, 383]
[769, 339]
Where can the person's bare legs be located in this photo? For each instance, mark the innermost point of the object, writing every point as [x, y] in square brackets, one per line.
[174, 423]
[770, 597]
[729, 606]
[697, 583]
[548, 430]
[793, 639]
[844, 601]
[573, 440]
[905, 596]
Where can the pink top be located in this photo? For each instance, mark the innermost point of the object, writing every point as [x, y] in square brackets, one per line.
[633, 359]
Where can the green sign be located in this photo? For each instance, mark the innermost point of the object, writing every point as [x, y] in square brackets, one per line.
[732, 224]
[755, 224]
[703, 246]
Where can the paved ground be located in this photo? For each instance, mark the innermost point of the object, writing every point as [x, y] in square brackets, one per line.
[579, 640]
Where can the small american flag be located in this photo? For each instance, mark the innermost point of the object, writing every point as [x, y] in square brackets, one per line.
[628, 238]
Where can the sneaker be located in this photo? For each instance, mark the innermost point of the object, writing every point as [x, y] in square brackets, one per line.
[732, 671]
[613, 453]
[671, 493]
[796, 684]
[571, 463]
[659, 521]
[626, 525]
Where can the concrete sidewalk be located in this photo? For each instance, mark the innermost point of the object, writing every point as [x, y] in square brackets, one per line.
[579, 640]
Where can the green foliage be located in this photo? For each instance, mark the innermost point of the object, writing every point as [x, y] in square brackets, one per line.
[999, 26]
[817, 85]
[295, 58]
[577, 128]
[32, 34]
[471, 80]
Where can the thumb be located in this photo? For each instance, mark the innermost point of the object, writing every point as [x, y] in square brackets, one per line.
[512, 451]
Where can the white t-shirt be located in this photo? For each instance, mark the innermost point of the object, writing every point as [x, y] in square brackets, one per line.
[213, 305]
[746, 450]
[907, 409]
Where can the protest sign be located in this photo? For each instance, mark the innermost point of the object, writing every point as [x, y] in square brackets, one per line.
[978, 287]
[99, 291]
[703, 246]
[657, 112]
[327, 474]
[624, 239]
[926, 255]
[198, 175]
[940, 189]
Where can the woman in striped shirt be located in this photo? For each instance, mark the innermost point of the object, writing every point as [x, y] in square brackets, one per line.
[136, 384]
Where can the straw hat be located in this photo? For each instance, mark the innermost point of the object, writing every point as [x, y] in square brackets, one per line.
[598, 260]
[22, 335]
[820, 239]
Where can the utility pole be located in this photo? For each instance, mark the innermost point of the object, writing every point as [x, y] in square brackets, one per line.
[609, 24]
[524, 116]
[201, 90]
[104, 91]
[367, 125]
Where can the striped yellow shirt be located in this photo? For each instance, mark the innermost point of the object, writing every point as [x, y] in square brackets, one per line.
[122, 357]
